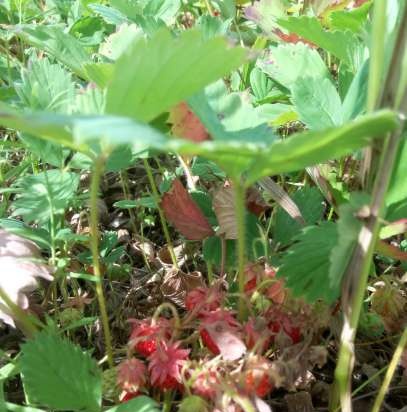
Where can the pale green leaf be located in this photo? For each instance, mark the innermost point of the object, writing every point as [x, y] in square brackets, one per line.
[340, 43]
[398, 185]
[62, 46]
[317, 102]
[58, 374]
[44, 195]
[287, 63]
[158, 73]
[353, 20]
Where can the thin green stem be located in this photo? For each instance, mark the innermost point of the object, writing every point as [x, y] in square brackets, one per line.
[241, 244]
[156, 196]
[94, 244]
[390, 372]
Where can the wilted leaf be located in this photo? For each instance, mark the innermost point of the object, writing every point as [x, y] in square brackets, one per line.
[227, 340]
[186, 124]
[20, 267]
[184, 214]
[177, 284]
[224, 207]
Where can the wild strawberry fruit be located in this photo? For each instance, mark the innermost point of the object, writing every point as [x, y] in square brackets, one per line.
[131, 375]
[206, 383]
[217, 320]
[204, 299]
[147, 332]
[256, 376]
[165, 365]
[284, 325]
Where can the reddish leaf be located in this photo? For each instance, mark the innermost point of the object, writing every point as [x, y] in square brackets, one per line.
[186, 124]
[293, 38]
[180, 209]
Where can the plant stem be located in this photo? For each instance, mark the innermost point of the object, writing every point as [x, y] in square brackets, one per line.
[357, 271]
[98, 167]
[156, 196]
[241, 247]
[390, 372]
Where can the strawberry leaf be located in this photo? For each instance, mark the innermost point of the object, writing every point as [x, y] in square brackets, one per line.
[306, 265]
[57, 374]
[182, 211]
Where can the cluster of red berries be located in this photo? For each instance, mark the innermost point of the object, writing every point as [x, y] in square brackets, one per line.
[164, 364]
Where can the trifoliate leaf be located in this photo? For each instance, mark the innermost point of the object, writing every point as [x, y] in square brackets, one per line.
[306, 265]
[57, 374]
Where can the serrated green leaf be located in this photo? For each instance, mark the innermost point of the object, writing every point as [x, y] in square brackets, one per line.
[317, 102]
[309, 148]
[57, 374]
[139, 404]
[44, 195]
[305, 267]
[58, 44]
[352, 20]
[287, 63]
[340, 43]
[158, 73]
[310, 203]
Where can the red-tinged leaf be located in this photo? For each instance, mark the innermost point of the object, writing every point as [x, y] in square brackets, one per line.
[227, 339]
[391, 251]
[186, 124]
[293, 38]
[180, 209]
[255, 202]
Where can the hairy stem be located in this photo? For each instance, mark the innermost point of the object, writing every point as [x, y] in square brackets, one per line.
[163, 221]
[94, 244]
[241, 246]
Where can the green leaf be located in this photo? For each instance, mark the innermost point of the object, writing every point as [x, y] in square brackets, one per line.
[265, 13]
[12, 407]
[139, 404]
[310, 148]
[353, 20]
[57, 374]
[228, 117]
[355, 100]
[287, 63]
[58, 44]
[348, 228]
[158, 73]
[305, 267]
[310, 203]
[398, 185]
[317, 102]
[340, 43]
[44, 195]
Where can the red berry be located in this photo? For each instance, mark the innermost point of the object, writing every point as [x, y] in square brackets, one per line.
[206, 383]
[292, 331]
[250, 286]
[146, 333]
[208, 342]
[256, 376]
